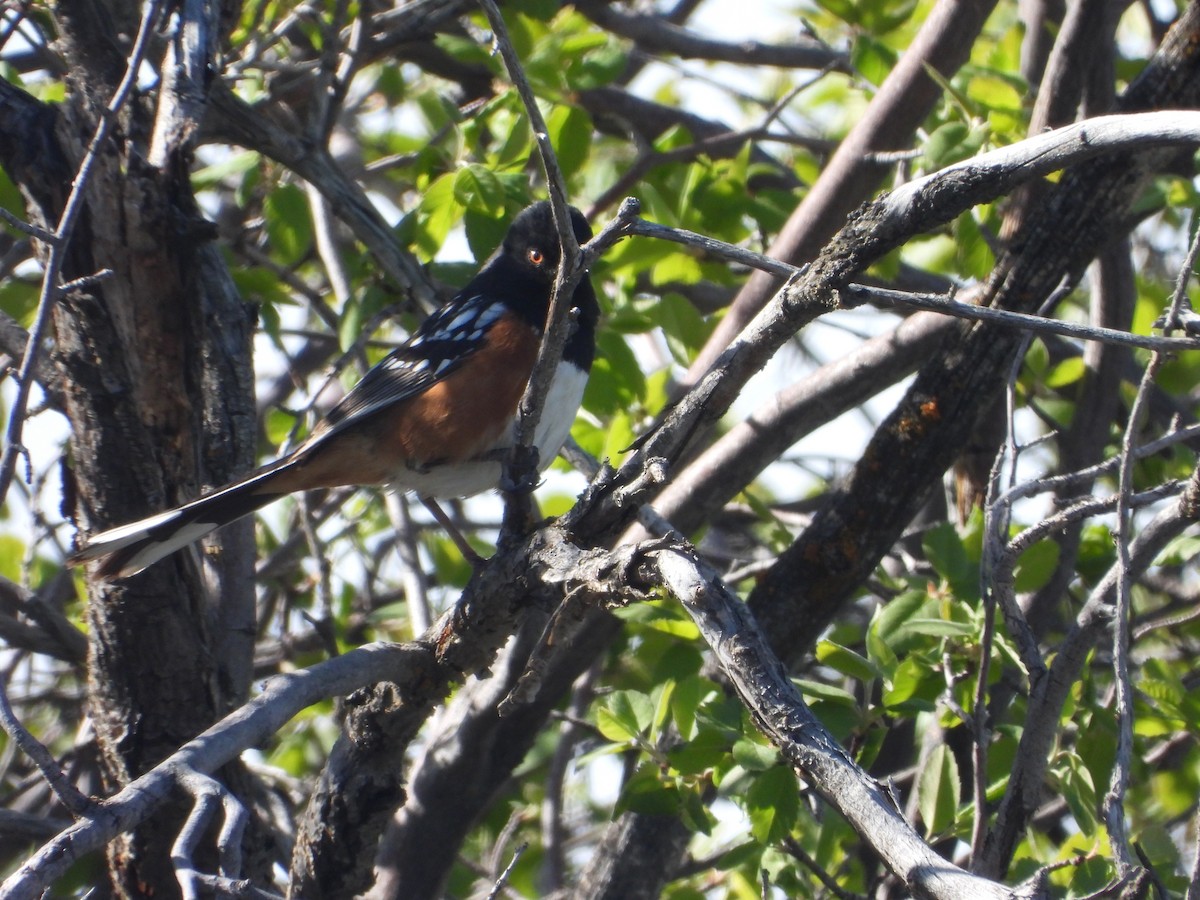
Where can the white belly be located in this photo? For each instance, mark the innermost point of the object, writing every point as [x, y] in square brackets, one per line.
[472, 477]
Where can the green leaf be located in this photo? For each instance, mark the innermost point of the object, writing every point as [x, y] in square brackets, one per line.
[941, 628]
[1066, 372]
[278, 425]
[662, 616]
[537, 9]
[1075, 785]
[947, 554]
[1180, 551]
[817, 690]
[993, 92]
[478, 189]
[617, 381]
[882, 16]
[694, 811]
[904, 682]
[648, 792]
[872, 58]
[1036, 565]
[225, 168]
[19, 299]
[599, 67]
[625, 716]
[351, 324]
[975, 257]
[885, 628]
[440, 211]
[484, 234]
[844, 660]
[680, 267]
[12, 551]
[662, 705]
[703, 752]
[755, 756]
[846, 10]
[570, 130]
[772, 804]
[683, 327]
[680, 662]
[941, 148]
[685, 700]
[939, 790]
[289, 226]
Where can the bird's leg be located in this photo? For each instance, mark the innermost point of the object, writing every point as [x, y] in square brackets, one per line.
[520, 472]
[460, 542]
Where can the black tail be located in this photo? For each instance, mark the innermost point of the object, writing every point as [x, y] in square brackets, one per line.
[128, 549]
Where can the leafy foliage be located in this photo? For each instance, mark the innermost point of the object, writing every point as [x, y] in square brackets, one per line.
[923, 674]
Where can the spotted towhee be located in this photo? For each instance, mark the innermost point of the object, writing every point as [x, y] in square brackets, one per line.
[432, 417]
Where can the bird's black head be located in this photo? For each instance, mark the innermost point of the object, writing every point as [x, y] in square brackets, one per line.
[522, 271]
[532, 241]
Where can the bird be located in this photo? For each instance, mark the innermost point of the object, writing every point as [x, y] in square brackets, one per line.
[434, 417]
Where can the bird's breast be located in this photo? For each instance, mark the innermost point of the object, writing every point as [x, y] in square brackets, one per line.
[463, 476]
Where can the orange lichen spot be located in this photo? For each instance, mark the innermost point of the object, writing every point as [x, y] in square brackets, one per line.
[910, 428]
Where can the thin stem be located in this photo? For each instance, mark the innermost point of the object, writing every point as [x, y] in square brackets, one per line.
[570, 269]
[504, 876]
[857, 294]
[75, 802]
[51, 291]
[1114, 799]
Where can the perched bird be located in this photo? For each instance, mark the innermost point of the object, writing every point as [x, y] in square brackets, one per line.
[434, 416]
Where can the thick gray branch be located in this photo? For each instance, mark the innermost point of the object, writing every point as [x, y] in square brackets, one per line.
[763, 685]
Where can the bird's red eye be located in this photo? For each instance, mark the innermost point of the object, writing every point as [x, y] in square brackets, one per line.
[535, 256]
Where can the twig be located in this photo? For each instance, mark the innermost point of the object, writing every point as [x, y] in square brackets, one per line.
[186, 69]
[780, 712]
[570, 267]
[1086, 507]
[1193, 889]
[712, 145]
[1037, 324]
[996, 521]
[58, 244]
[234, 887]
[11, 22]
[76, 803]
[554, 832]
[325, 238]
[1057, 482]
[324, 619]
[207, 793]
[328, 90]
[282, 697]
[1047, 697]
[1114, 799]
[28, 228]
[860, 293]
[656, 33]
[792, 846]
[416, 589]
[500, 882]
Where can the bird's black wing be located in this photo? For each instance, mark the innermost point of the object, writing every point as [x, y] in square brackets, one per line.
[438, 348]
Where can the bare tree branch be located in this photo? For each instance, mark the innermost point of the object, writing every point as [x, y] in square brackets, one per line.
[781, 714]
[282, 697]
[902, 102]
[653, 33]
